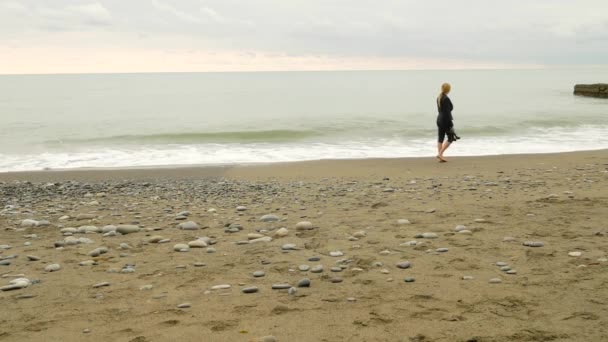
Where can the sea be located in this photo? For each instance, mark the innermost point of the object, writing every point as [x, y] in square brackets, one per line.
[164, 119]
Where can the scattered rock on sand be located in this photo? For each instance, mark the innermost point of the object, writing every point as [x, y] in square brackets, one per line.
[304, 225]
[269, 218]
[189, 225]
[534, 244]
[52, 268]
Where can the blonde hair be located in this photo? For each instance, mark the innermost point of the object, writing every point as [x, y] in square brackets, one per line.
[445, 89]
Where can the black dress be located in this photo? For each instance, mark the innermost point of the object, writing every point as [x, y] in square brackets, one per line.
[444, 118]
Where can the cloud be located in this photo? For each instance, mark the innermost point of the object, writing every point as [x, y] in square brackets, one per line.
[467, 32]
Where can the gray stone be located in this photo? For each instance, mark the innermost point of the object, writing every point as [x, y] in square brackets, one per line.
[288, 247]
[259, 274]
[441, 250]
[404, 264]
[304, 268]
[317, 269]
[304, 283]
[184, 306]
[52, 268]
[101, 284]
[304, 225]
[33, 258]
[336, 269]
[495, 281]
[269, 218]
[127, 229]
[336, 254]
[251, 289]
[181, 247]
[280, 286]
[534, 244]
[336, 280]
[409, 280]
[429, 236]
[292, 291]
[189, 225]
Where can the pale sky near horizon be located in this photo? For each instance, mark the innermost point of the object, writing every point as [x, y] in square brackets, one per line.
[70, 36]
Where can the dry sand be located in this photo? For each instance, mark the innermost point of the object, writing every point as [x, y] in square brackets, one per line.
[560, 200]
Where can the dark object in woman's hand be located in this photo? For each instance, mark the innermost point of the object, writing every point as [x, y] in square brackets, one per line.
[452, 136]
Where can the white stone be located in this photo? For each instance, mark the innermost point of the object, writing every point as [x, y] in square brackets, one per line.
[281, 232]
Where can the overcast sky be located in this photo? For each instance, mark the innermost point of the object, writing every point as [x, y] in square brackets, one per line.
[55, 36]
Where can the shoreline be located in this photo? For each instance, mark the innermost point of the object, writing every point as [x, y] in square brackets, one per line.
[346, 167]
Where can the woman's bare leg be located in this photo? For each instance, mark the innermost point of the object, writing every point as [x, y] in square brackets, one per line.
[443, 148]
[439, 148]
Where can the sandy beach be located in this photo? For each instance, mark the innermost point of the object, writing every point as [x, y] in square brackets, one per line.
[501, 248]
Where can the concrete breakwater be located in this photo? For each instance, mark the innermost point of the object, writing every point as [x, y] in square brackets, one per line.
[593, 90]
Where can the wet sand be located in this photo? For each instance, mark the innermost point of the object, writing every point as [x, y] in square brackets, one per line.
[371, 211]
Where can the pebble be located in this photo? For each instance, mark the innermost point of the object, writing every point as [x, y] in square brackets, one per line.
[360, 234]
[336, 254]
[155, 239]
[304, 268]
[409, 280]
[505, 268]
[575, 254]
[280, 286]
[269, 218]
[5, 262]
[197, 244]
[441, 250]
[511, 272]
[336, 269]
[460, 228]
[501, 263]
[336, 280]
[101, 284]
[146, 288]
[429, 236]
[127, 229]
[409, 243]
[292, 291]
[281, 232]
[495, 281]
[534, 244]
[184, 306]
[258, 274]
[241, 208]
[404, 264]
[199, 264]
[251, 289]
[289, 247]
[317, 269]
[509, 239]
[87, 263]
[221, 287]
[33, 258]
[16, 284]
[467, 278]
[304, 225]
[402, 222]
[180, 247]
[210, 250]
[264, 239]
[385, 252]
[304, 283]
[268, 338]
[52, 268]
[465, 232]
[189, 225]
[314, 259]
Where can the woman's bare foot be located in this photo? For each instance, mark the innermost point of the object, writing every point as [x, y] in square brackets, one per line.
[441, 159]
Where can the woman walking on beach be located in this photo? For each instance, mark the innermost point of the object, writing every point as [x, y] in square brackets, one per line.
[445, 126]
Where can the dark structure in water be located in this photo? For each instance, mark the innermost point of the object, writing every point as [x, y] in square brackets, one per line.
[592, 90]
